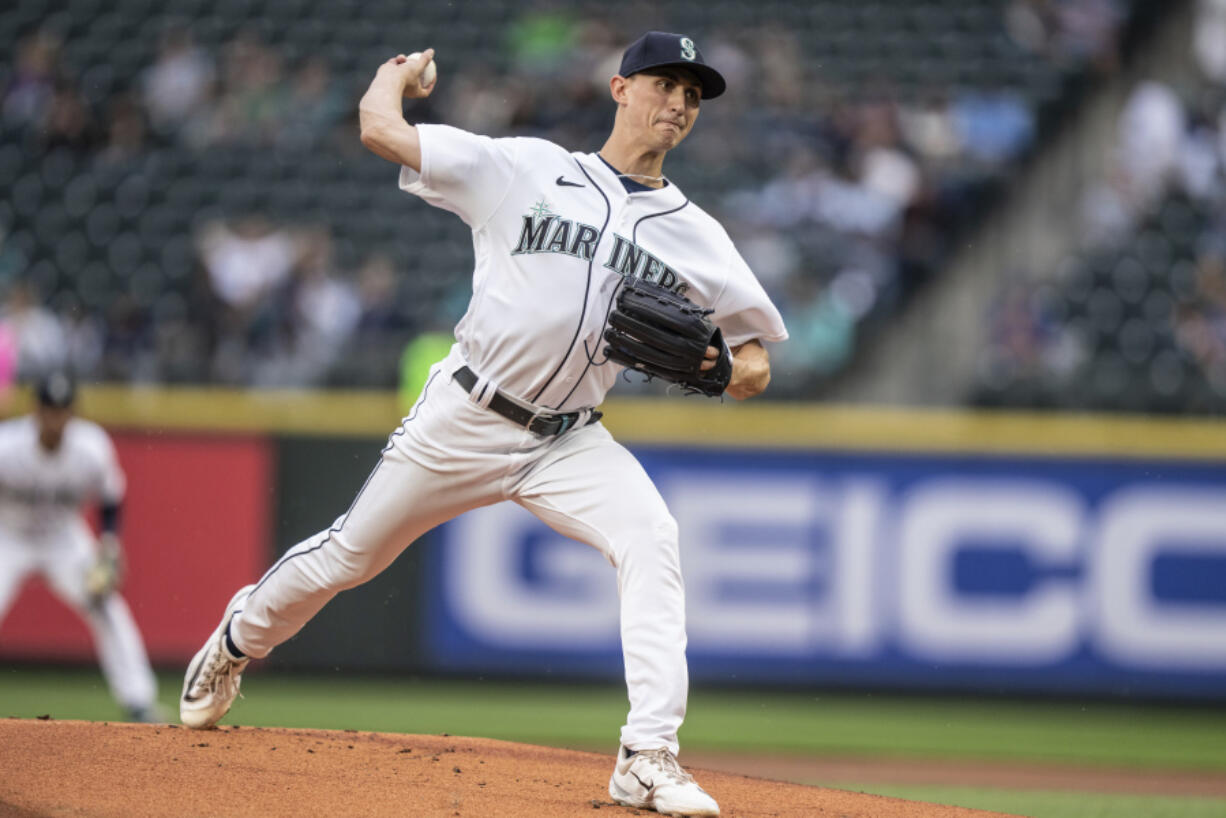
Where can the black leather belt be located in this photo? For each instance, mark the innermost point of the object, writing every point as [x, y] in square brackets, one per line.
[554, 423]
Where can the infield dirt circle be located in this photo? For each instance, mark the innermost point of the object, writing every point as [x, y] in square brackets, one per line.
[75, 768]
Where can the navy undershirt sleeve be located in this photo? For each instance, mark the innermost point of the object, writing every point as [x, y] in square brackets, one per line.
[109, 513]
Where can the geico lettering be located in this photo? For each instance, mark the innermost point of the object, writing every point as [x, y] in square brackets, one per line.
[573, 604]
[790, 564]
[780, 564]
[938, 519]
[1133, 626]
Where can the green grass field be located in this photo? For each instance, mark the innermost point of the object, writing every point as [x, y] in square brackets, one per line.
[1059, 804]
[1115, 734]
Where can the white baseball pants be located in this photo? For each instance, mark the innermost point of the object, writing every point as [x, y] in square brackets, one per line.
[63, 558]
[451, 455]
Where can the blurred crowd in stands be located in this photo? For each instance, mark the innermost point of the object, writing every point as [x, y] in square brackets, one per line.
[1135, 318]
[854, 147]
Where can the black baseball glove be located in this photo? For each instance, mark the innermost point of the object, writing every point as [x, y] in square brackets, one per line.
[665, 335]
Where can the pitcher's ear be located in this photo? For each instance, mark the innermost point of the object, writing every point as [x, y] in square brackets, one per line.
[617, 88]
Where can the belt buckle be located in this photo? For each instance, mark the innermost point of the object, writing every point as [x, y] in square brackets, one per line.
[537, 415]
[565, 421]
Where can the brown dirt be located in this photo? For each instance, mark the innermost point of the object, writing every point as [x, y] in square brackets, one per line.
[73, 768]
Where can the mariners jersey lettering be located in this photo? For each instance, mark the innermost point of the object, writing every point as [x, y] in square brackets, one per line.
[532, 238]
[41, 491]
[625, 257]
[561, 227]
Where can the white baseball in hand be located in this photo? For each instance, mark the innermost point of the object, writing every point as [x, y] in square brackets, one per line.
[428, 74]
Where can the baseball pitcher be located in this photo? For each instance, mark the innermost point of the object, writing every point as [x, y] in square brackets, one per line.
[586, 264]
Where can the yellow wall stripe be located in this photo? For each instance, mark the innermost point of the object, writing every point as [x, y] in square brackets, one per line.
[888, 429]
[684, 421]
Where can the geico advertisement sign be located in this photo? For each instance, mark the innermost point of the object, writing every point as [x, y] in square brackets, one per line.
[1001, 572]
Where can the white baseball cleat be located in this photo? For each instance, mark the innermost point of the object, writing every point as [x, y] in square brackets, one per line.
[653, 779]
[213, 677]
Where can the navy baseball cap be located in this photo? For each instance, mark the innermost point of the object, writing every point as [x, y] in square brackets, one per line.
[656, 49]
[56, 390]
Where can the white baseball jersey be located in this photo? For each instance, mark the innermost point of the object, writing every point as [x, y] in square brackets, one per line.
[554, 233]
[41, 492]
[42, 532]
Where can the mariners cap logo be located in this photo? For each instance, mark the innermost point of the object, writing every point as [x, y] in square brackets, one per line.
[656, 49]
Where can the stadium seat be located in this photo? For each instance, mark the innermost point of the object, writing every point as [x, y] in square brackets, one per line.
[136, 216]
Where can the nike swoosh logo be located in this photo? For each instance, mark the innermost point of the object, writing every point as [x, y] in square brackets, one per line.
[188, 697]
[645, 785]
[563, 183]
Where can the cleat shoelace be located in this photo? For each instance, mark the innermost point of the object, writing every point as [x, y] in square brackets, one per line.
[664, 761]
[221, 674]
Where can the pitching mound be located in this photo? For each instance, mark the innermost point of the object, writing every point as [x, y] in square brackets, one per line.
[53, 768]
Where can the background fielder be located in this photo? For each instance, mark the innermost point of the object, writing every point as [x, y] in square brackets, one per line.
[510, 413]
[51, 465]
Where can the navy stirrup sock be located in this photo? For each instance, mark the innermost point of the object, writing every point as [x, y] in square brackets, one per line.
[232, 648]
